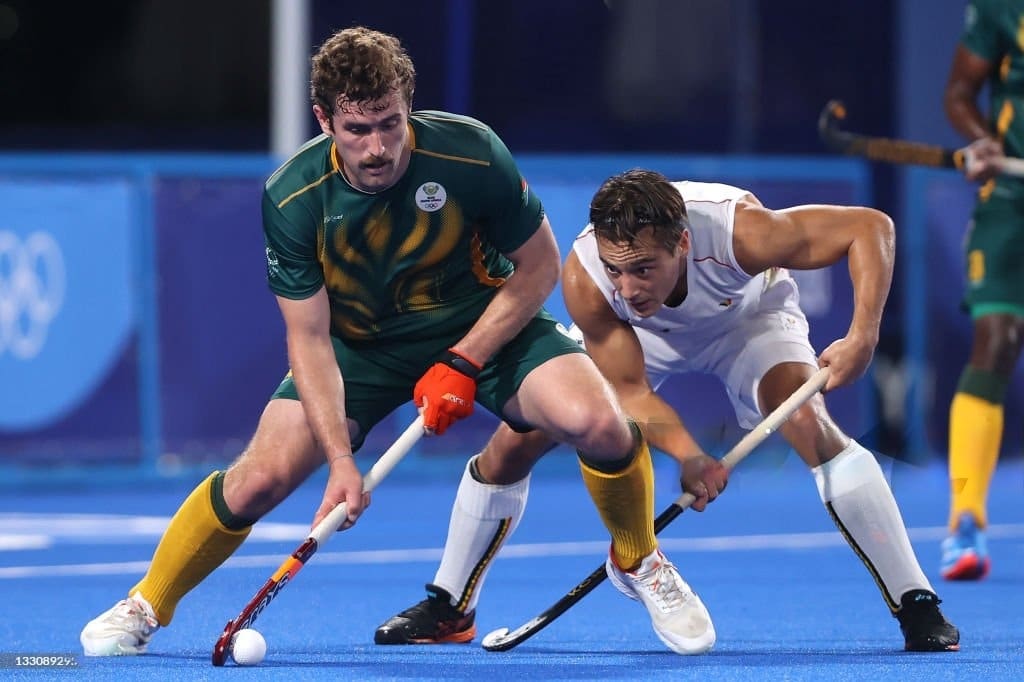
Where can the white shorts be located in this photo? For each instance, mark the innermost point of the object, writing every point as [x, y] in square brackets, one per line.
[777, 332]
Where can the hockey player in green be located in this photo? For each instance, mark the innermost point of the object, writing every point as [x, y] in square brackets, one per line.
[990, 52]
[409, 260]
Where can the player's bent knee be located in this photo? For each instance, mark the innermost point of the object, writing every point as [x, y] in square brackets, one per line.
[255, 492]
[602, 435]
[809, 418]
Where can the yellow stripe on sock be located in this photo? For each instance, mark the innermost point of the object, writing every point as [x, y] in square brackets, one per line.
[481, 566]
[625, 501]
[975, 434]
[194, 544]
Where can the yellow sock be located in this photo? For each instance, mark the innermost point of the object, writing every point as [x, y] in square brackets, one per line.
[194, 544]
[975, 434]
[625, 501]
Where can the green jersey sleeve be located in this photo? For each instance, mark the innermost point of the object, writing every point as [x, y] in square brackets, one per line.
[293, 270]
[515, 212]
[982, 34]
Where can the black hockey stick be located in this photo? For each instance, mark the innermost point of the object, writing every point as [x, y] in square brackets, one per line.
[895, 151]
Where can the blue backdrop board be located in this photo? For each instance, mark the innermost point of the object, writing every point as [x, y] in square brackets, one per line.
[68, 326]
[222, 339]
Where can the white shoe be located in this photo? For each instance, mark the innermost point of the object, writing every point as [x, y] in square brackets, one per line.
[124, 630]
[679, 617]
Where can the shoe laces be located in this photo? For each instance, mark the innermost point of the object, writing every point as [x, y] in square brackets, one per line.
[663, 584]
[131, 615]
[438, 609]
[416, 609]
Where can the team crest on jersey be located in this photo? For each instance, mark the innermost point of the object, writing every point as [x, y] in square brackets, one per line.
[431, 196]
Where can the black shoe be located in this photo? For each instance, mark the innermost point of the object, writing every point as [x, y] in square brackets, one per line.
[923, 625]
[433, 621]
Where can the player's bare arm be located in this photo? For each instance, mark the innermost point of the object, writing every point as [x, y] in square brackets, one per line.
[611, 342]
[319, 382]
[811, 237]
[616, 351]
[967, 76]
[537, 264]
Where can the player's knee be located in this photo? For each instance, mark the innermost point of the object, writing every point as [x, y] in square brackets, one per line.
[255, 492]
[601, 433]
[997, 343]
[1006, 345]
[808, 421]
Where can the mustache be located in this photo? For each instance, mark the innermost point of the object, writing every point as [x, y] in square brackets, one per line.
[376, 162]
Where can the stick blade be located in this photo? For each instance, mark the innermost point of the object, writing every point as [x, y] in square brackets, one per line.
[221, 648]
[496, 640]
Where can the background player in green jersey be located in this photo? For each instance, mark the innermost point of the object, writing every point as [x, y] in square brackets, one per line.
[409, 260]
[989, 52]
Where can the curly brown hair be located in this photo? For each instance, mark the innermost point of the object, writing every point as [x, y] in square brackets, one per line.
[359, 64]
[629, 202]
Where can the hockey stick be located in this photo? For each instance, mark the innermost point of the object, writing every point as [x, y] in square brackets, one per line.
[317, 537]
[896, 151]
[503, 640]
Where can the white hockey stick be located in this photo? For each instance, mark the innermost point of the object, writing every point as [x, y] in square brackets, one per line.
[317, 537]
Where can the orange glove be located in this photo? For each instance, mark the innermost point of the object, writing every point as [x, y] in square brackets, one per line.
[449, 388]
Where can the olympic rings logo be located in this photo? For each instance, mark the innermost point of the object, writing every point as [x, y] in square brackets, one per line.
[32, 281]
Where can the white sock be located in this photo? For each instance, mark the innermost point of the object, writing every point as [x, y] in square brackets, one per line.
[860, 502]
[483, 517]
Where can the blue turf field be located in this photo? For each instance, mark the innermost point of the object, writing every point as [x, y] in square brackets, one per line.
[789, 599]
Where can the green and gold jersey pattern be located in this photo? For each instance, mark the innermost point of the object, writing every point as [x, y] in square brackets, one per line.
[421, 259]
[994, 30]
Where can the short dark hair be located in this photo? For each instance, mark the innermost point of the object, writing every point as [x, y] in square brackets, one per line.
[629, 202]
[359, 64]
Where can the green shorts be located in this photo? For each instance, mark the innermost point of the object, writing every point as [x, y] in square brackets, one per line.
[380, 377]
[994, 254]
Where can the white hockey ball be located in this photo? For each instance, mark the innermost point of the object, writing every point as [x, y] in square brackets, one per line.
[248, 647]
